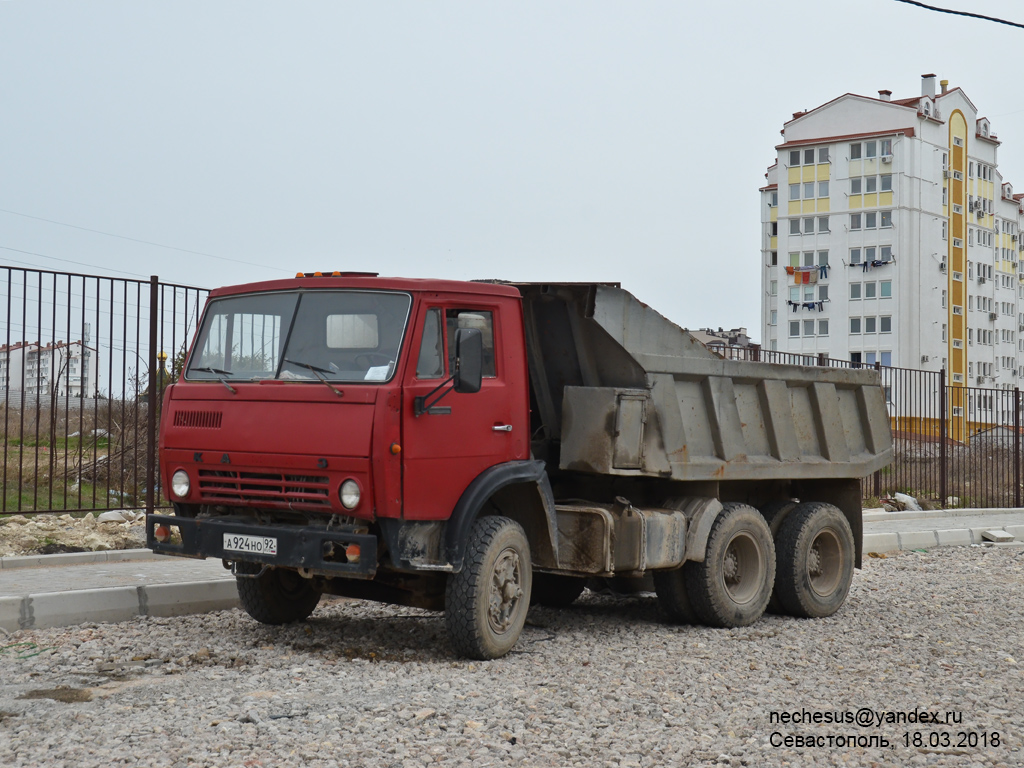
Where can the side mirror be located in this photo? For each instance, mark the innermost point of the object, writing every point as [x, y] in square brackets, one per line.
[469, 360]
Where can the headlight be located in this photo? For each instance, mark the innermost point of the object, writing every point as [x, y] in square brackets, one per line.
[349, 494]
[180, 483]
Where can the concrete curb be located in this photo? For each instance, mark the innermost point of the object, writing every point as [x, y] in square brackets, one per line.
[113, 604]
[77, 558]
[954, 537]
[877, 515]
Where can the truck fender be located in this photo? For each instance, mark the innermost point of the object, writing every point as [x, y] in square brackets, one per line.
[519, 490]
[701, 512]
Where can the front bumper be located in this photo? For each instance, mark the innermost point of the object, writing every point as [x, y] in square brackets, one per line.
[298, 546]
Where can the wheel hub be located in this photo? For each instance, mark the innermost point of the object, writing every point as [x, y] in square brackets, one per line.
[814, 561]
[731, 566]
[506, 590]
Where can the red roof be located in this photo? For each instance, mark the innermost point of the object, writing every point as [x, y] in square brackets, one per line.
[909, 132]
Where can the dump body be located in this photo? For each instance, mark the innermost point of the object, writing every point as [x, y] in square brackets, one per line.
[620, 390]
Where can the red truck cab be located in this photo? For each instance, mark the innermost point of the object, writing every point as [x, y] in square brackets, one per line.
[327, 429]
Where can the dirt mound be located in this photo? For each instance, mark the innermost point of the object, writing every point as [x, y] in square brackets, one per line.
[50, 534]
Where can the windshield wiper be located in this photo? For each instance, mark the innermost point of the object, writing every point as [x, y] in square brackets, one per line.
[220, 378]
[317, 372]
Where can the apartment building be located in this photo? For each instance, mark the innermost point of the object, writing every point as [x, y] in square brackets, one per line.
[67, 368]
[890, 236]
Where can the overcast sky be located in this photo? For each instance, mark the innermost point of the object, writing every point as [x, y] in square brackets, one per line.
[529, 141]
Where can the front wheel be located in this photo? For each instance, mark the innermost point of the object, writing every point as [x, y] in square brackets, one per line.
[487, 601]
[815, 568]
[277, 597]
[733, 584]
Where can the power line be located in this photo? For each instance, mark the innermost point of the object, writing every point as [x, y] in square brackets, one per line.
[137, 240]
[66, 261]
[963, 13]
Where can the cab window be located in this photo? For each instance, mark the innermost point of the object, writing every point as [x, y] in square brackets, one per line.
[483, 321]
[430, 364]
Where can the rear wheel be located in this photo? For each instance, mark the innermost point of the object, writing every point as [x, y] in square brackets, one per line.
[555, 590]
[815, 561]
[731, 587]
[487, 601]
[277, 597]
[775, 513]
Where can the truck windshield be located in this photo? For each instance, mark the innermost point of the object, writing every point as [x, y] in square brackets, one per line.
[330, 335]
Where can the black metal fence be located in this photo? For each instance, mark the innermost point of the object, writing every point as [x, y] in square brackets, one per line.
[83, 362]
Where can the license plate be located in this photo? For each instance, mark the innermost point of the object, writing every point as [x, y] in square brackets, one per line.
[257, 545]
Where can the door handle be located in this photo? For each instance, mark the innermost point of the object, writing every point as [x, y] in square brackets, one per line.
[502, 428]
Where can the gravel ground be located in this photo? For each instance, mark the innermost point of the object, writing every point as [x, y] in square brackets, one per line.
[604, 683]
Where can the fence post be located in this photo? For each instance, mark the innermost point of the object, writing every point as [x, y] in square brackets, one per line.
[1016, 447]
[943, 433]
[151, 395]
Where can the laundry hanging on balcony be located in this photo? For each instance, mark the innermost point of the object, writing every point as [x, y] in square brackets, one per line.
[803, 275]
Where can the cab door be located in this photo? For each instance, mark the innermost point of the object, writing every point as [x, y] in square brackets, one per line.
[460, 435]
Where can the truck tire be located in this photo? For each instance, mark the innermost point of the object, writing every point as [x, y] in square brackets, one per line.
[674, 600]
[279, 596]
[556, 591]
[815, 561]
[733, 584]
[487, 601]
[775, 513]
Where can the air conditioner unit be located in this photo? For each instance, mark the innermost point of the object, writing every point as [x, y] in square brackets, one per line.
[992, 315]
[946, 173]
[1013, 237]
[981, 279]
[886, 158]
[981, 214]
[942, 267]
[981, 380]
[924, 358]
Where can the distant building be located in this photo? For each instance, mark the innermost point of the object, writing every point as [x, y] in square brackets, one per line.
[724, 342]
[891, 236]
[65, 368]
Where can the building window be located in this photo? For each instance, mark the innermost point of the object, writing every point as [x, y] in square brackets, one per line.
[809, 226]
[794, 327]
[870, 184]
[855, 151]
[774, 319]
[773, 199]
[822, 154]
[822, 189]
[855, 255]
[957, 141]
[886, 146]
[808, 190]
[886, 253]
[794, 191]
[822, 293]
[854, 290]
[871, 220]
[823, 327]
[808, 157]
[775, 229]
[887, 183]
[885, 290]
[854, 325]
[822, 258]
[958, 243]
[944, 223]
[870, 149]
[958, 175]
[808, 258]
[869, 290]
[887, 360]
[854, 221]
[775, 258]
[886, 219]
[823, 223]
[808, 327]
[794, 157]
[773, 288]
[886, 327]
[855, 184]
[794, 226]
[794, 293]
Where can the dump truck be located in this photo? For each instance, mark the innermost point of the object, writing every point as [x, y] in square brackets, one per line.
[475, 447]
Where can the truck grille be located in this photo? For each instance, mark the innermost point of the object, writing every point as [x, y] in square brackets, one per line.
[230, 486]
[198, 419]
